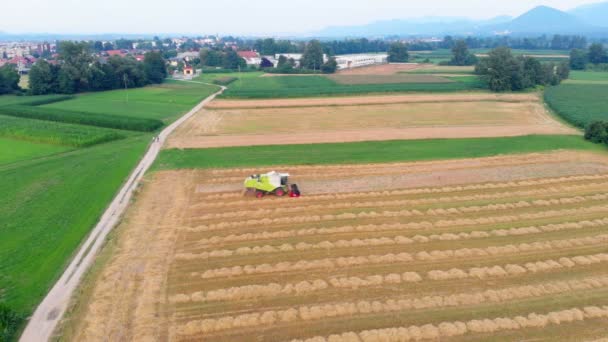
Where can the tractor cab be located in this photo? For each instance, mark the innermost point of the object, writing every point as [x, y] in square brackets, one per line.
[273, 182]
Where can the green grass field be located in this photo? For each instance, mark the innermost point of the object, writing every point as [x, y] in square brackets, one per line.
[52, 195]
[590, 77]
[579, 104]
[56, 133]
[315, 86]
[366, 152]
[164, 102]
[47, 207]
[12, 150]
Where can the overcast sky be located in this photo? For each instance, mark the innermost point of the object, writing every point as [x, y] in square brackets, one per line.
[243, 17]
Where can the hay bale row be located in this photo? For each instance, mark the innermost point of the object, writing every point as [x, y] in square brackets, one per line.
[333, 204]
[399, 240]
[252, 292]
[272, 211]
[362, 307]
[281, 234]
[354, 282]
[330, 263]
[418, 191]
[453, 329]
[385, 214]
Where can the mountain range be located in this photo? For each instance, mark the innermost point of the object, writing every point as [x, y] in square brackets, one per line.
[583, 20]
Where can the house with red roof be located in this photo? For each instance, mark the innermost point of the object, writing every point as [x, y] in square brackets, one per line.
[23, 64]
[120, 53]
[250, 57]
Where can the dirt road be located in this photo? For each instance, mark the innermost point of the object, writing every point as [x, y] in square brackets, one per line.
[50, 311]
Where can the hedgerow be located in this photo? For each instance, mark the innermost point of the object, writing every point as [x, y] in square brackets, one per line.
[83, 118]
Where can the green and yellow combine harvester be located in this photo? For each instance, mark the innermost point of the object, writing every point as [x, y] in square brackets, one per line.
[271, 183]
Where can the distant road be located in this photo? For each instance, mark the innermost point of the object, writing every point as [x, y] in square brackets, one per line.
[50, 311]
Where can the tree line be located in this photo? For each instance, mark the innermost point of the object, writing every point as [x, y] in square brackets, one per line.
[9, 79]
[593, 57]
[502, 71]
[78, 71]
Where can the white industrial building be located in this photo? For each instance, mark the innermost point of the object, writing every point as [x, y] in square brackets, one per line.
[360, 60]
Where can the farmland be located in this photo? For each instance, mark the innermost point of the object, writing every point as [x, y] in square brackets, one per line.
[311, 86]
[580, 104]
[357, 121]
[424, 215]
[57, 177]
[15, 150]
[503, 245]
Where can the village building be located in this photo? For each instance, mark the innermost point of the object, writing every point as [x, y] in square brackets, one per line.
[252, 58]
[360, 60]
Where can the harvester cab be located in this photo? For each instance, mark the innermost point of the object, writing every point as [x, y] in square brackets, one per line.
[274, 183]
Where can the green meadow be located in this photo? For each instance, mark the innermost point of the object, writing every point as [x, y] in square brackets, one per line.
[366, 152]
[315, 86]
[12, 150]
[59, 169]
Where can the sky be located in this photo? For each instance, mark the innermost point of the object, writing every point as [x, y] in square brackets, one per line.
[239, 17]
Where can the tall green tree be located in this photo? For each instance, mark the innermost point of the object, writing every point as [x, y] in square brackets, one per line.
[578, 59]
[330, 66]
[397, 53]
[73, 74]
[9, 79]
[313, 56]
[500, 70]
[597, 54]
[155, 67]
[461, 55]
[43, 78]
[232, 60]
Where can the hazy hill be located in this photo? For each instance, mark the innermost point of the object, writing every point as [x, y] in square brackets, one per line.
[539, 20]
[594, 14]
[543, 19]
[423, 26]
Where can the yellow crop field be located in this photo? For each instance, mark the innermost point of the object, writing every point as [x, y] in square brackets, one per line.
[512, 247]
[269, 122]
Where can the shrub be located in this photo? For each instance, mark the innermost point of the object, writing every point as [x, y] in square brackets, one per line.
[9, 323]
[597, 132]
[83, 118]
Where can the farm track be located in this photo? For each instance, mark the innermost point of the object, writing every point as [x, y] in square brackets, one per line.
[459, 260]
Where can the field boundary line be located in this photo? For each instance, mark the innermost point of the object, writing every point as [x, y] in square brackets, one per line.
[50, 311]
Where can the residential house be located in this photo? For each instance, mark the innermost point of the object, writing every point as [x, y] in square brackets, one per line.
[251, 57]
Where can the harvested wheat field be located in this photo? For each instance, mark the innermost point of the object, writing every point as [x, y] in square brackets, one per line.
[373, 100]
[452, 116]
[508, 248]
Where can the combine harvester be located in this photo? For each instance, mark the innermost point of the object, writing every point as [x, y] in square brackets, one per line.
[271, 183]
